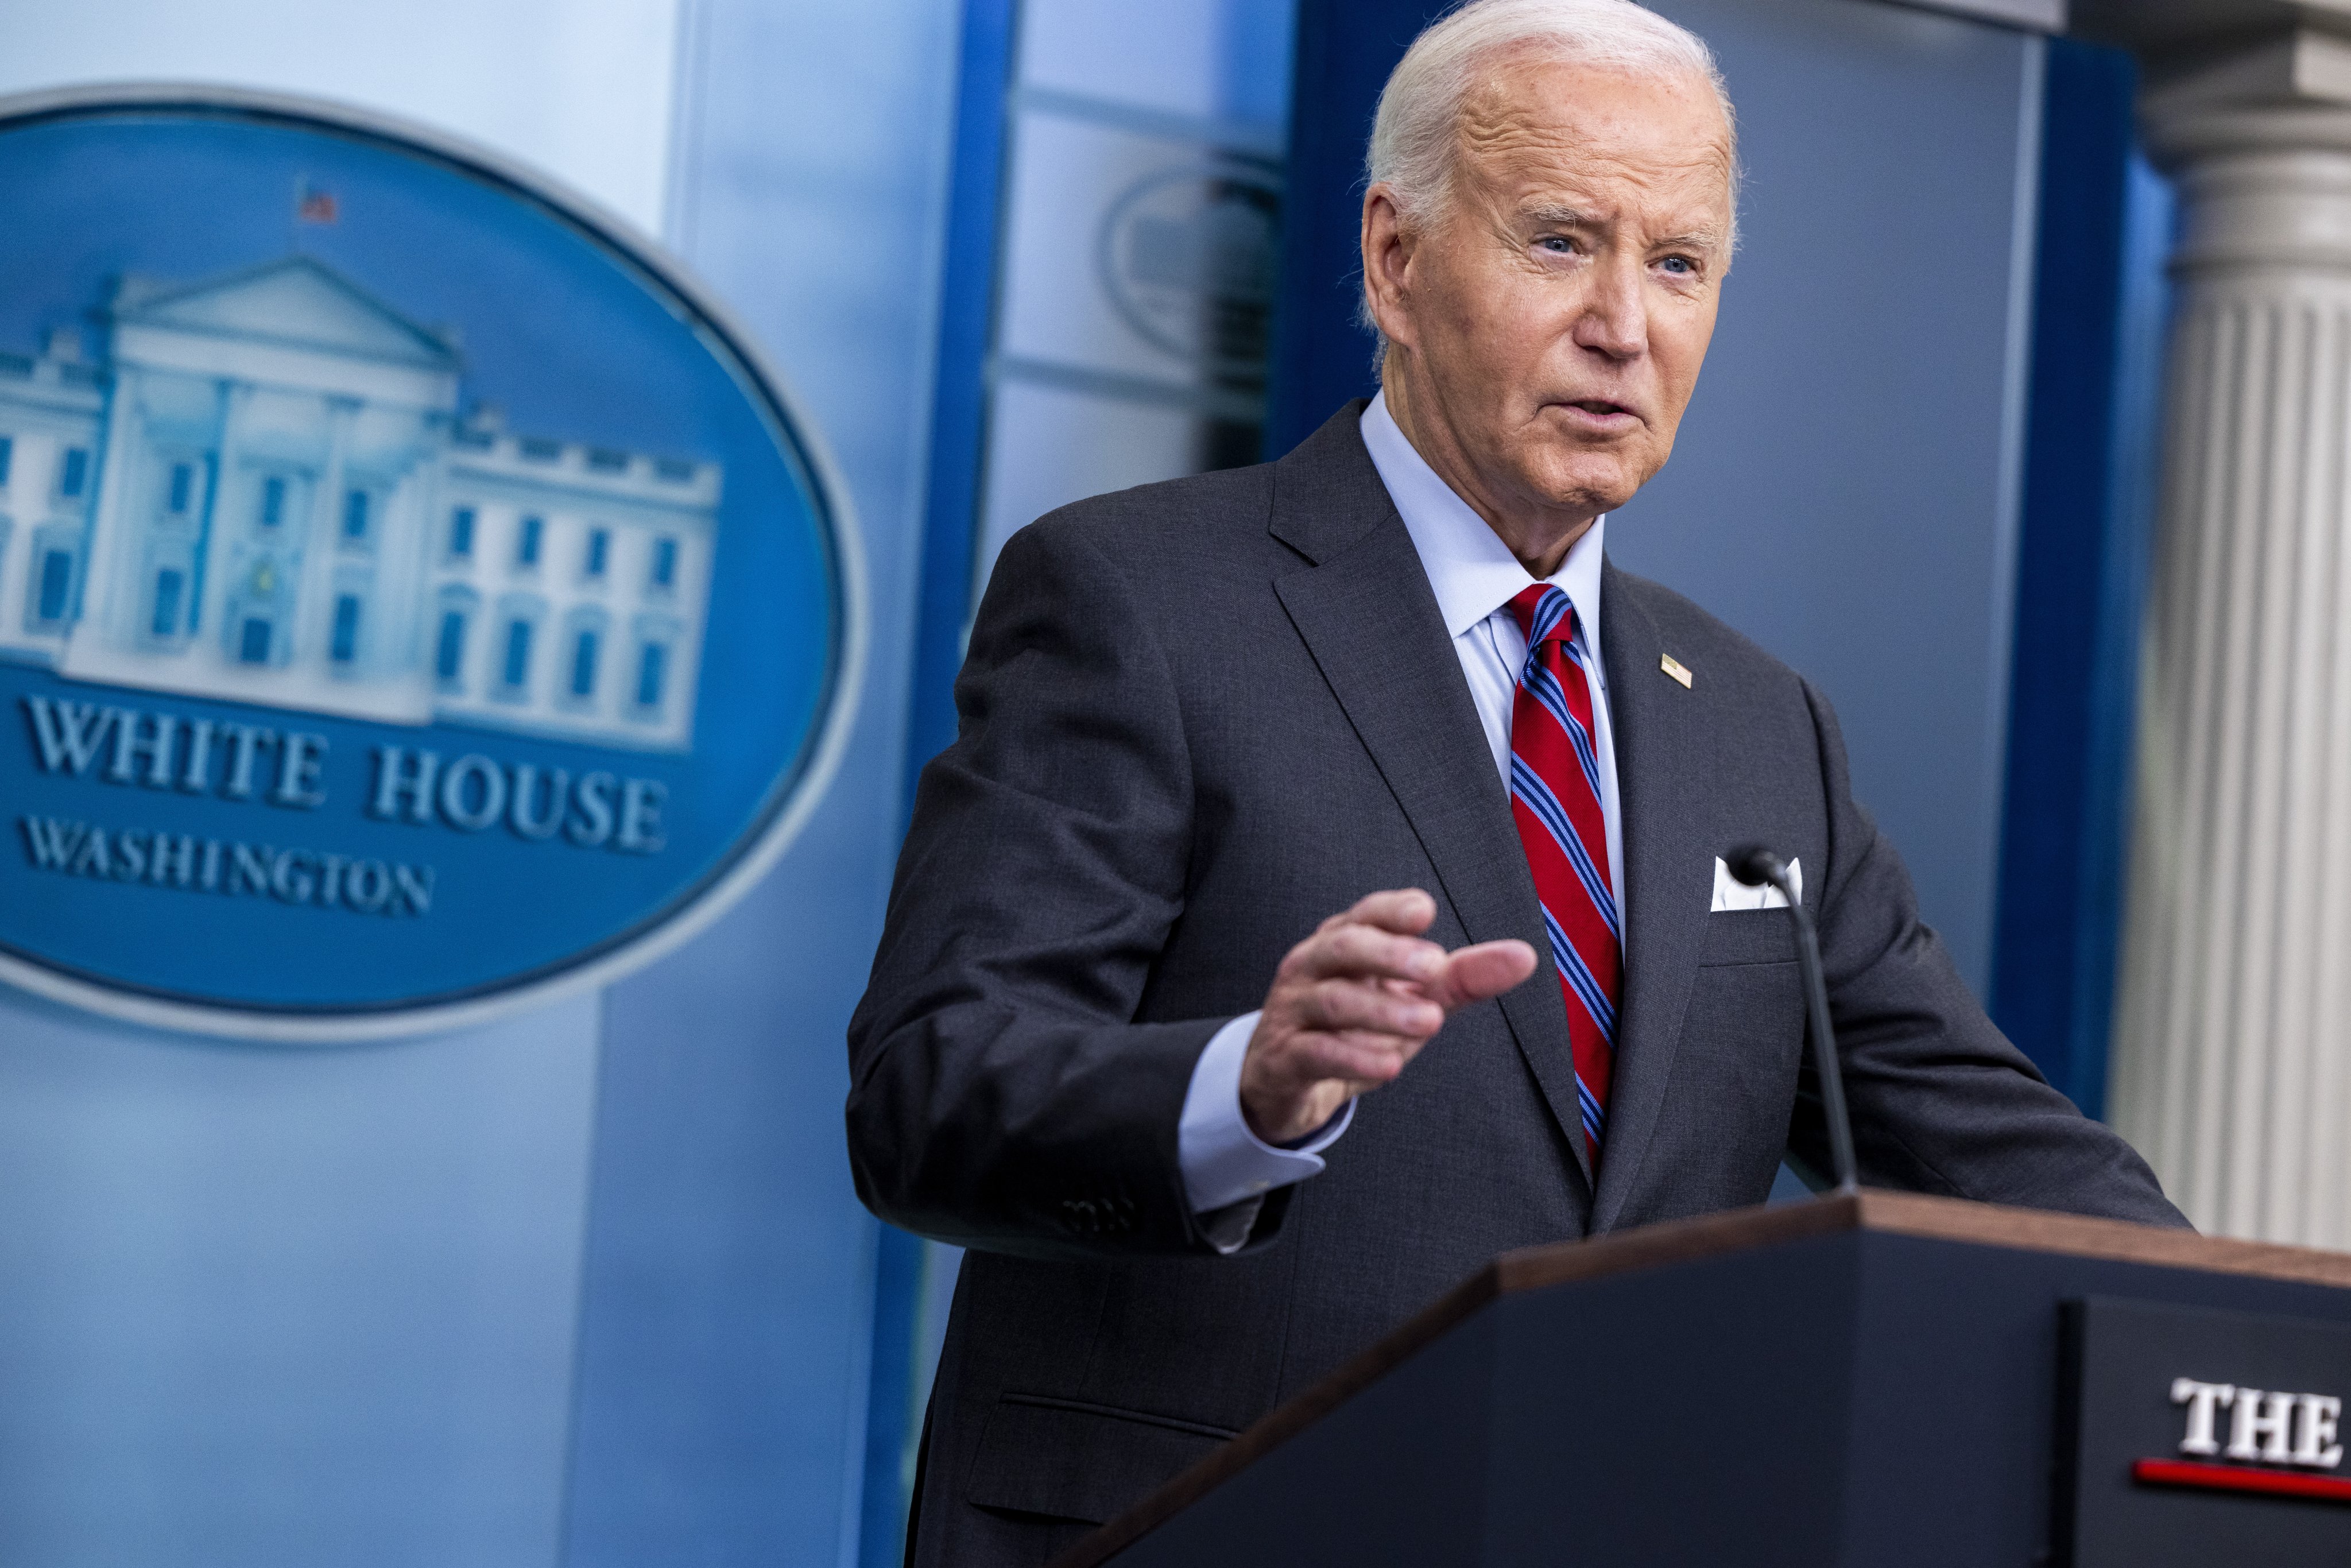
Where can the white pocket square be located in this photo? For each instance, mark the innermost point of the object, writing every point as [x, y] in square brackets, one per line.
[1731, 894]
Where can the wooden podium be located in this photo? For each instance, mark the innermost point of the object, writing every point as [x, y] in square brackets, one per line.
[1869, 1380]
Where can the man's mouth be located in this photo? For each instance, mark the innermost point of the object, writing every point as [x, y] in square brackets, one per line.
[1603, 413]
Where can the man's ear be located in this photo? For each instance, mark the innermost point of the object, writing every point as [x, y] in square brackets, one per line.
[1387, 247]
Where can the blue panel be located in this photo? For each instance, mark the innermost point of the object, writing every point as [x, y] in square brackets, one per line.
[725, 1326]
[1843, 490]
[891, 1404]
[280, 1306]
[1321, 358]
[967, 290]
[2098, 303]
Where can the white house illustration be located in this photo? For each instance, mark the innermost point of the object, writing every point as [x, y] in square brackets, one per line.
[265, 493]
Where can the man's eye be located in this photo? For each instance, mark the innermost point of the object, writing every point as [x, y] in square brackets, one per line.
[1679, 265]
[1557, 245]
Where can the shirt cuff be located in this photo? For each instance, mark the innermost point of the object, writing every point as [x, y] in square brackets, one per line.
[1223, 1162]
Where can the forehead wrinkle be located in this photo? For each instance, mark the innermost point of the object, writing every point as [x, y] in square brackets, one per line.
[1660, 211]
[1506, 140]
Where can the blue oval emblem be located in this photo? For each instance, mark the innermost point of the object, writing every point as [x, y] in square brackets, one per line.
[414, 594]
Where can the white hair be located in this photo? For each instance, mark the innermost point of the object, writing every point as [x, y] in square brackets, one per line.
[1415, 138]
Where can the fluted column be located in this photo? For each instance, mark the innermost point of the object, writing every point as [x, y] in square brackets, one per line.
[2231, 1061]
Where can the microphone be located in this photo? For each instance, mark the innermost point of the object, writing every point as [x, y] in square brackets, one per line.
[1756, 866]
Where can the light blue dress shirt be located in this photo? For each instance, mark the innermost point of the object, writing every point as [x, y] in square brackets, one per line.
[1228, 1169]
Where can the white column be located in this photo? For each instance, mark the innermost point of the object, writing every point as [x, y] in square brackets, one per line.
[2231, 1067]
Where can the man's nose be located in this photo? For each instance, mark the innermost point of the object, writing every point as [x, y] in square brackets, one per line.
[1616, 319]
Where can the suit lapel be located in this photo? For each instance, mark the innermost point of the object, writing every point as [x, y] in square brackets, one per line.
[1661, 761]
[1368, 616]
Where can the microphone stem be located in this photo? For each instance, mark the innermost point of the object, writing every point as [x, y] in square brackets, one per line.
[1825, 1052]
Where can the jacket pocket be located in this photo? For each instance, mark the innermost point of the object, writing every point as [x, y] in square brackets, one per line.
[1749, 937]
[1067, 1460]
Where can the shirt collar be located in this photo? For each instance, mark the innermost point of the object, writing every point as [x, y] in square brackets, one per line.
[1472, 571]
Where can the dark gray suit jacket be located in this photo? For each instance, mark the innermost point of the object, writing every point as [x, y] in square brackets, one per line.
[1197, 719]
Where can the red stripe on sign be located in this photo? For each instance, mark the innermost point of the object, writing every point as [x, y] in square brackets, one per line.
[2240, 1477]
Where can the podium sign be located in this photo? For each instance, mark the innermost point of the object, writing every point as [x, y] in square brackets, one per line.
[2201, 1437]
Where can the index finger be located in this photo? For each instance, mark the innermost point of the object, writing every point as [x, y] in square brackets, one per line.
[1357, 949]
[1407, 911]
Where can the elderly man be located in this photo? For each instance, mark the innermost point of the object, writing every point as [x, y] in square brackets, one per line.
[1363, 770]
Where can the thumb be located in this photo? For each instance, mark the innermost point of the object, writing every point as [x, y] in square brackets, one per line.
[1474, 974]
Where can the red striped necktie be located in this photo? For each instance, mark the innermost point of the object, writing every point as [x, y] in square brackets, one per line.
[1555, 800]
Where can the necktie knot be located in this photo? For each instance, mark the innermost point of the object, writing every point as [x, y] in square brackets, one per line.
[1543, 614]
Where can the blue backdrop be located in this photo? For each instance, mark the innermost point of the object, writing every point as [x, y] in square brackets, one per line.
[589, 1285]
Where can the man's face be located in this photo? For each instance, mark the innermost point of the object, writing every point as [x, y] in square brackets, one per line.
[1555, 314]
